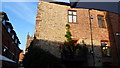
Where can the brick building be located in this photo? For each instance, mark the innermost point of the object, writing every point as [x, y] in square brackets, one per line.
[98, 29]
[21, 57]
[10, 44]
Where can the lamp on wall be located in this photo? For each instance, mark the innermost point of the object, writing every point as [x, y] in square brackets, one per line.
[91, 17]
[117, 34]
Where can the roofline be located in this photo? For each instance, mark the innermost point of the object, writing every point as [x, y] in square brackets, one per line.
[98, 10]
[61, 3]
[6, 17]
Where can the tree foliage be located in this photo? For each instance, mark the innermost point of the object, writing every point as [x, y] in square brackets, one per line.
[68, 33]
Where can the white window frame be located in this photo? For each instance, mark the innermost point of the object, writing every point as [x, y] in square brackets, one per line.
[71, 15]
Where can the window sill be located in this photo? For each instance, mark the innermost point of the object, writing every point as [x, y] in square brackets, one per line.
[72, 23]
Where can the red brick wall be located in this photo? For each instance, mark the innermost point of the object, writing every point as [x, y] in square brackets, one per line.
[12, 47]
[81, 30]
[114, 23]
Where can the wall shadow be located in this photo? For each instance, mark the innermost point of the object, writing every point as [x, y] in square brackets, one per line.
[47, 54]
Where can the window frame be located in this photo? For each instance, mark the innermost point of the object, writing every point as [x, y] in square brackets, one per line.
[103, 23]
[106, 47]
[72, 16]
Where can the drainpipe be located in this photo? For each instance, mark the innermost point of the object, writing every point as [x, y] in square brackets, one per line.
[92, 51]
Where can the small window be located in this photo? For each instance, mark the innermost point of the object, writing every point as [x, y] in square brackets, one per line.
[4, 49]
[72, 16]
[13, 36]
[105, 49]
[16, 41]
[101, 21]
[13, 54]
[1, 16]
[9, 30]
[3, 22]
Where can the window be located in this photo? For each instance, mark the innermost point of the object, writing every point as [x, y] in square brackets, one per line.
[105, 49]
[72, 16]
[101, 21]
[16, 41]
[4, 22]
[13, 54]
[13, 36]
[1, 16]
[9, 30]
[4, 49]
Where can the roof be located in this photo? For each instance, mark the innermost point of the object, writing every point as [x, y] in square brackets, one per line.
[104, 6]
[5, 15]
[16, 36]
[61, 3]
[9, 24]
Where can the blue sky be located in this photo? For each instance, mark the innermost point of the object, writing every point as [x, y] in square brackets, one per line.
[22, 16]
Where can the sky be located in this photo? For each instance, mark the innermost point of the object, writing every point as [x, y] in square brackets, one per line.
[22, 16]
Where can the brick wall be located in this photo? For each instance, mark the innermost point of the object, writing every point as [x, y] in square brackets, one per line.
[50, 26]
[114, 23]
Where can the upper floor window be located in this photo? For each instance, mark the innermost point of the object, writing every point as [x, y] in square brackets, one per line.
[105, 49]
[9, 30]
[1, 16]
[16, 41]
[4, 22]
[101, 21]
[72, 16]
[13, 36]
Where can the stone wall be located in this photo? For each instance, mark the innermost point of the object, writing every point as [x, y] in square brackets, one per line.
[51, 21]
[50, 25]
